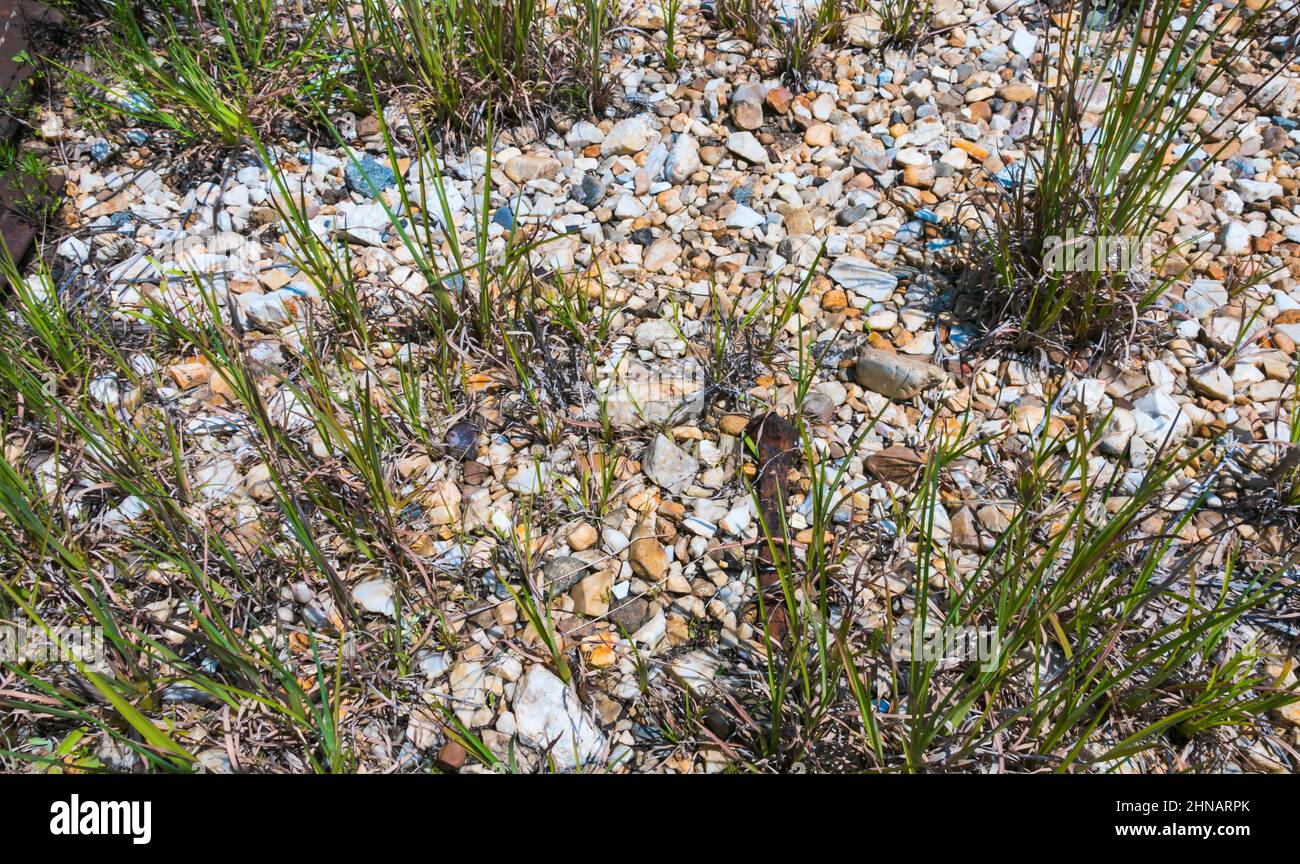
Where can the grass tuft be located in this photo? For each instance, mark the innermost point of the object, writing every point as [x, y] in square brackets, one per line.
[1113, 143]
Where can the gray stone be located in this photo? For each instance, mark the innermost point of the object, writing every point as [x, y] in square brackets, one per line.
[894, 375]
[561, 574]
[589, 192]
[850, 215]
[667, 464]
[629, 613]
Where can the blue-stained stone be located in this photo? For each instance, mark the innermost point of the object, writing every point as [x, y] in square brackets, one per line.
[137, 102]
[960, 336]
[1240, 168]
[494, 584]
[369, 176]
[1013, 175]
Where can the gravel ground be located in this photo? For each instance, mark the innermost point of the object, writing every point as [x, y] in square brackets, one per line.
[704, 194]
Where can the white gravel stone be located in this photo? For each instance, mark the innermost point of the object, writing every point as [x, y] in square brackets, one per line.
[1252, 191]
[744, 217]
[896, 376]
[549, 718]
[1214, 383]
[736, 520]
[627, 138]
[746, 146]
[683, 160]
[1023, 42]
[1235, 238]
[375, 595]
[1204, 296]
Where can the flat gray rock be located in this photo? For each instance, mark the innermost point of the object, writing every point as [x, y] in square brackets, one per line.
[862, 278]
[895, 375]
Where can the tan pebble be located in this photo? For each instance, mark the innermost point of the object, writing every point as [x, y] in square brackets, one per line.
[834, 300]
[733, 424]
[646, 554]
[189, 374]
[819, 135]
[602, 656]
[583, 536]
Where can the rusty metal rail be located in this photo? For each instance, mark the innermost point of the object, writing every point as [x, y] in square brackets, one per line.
[17, 18]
